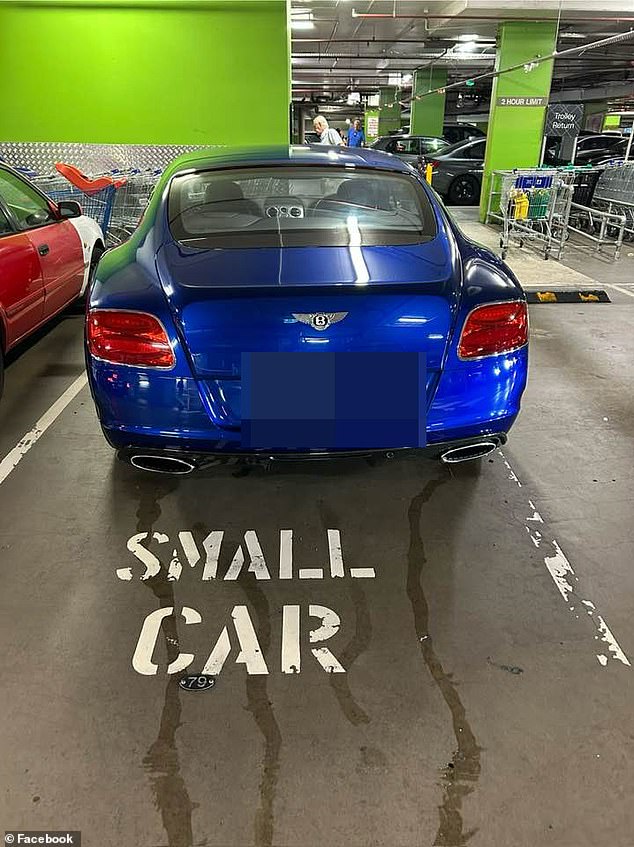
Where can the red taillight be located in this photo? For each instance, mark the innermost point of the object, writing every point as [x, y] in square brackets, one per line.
[495, 328]
[129, 338]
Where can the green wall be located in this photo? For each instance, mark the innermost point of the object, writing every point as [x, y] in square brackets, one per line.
[145, 71]
[514, 137]
[428, 113]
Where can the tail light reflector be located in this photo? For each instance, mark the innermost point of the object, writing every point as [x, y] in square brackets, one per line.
[494, 328]
[129, 338]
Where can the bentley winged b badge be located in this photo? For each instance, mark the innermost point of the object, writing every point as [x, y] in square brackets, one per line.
[319, 320]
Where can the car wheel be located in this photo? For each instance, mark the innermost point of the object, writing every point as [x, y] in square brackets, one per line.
[464, 191]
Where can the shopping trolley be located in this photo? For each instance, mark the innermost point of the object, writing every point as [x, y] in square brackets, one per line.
[533, 205]
[96, 197]
[130, 201]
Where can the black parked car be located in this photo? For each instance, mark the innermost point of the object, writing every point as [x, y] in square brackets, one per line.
[457, 174]
[601, 155]
[591, 149]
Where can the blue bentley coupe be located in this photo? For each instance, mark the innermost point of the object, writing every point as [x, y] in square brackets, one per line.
[302, 302]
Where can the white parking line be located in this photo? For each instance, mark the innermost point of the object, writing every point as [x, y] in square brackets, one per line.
[621, 289]
[15, 456]
[564, 577]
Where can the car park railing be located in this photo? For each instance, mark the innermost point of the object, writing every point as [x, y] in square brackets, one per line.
[605, 229]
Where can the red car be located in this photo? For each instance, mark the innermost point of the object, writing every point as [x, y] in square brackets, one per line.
[48, 252]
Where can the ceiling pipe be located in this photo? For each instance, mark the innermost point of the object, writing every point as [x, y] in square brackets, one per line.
[491, 19]
[538, 60]
[436, 40]
[399, 60]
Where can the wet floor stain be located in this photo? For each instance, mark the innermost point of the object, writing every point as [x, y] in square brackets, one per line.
[161, 762]
[462, 772]
[261, 708]
[372, 758]
[359, 642]
[514, 669]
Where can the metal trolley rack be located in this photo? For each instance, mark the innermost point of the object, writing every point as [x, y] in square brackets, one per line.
[533, 205]
[129, 204]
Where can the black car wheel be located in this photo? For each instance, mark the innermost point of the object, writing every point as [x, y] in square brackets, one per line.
[464, 191]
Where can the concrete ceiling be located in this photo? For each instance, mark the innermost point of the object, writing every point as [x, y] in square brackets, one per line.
[358, 45]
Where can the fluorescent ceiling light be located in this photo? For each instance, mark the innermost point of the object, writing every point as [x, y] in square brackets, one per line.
[469, 37]
[465, 47]
[302, 19]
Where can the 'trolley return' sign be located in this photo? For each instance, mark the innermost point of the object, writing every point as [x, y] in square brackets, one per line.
[563, 120]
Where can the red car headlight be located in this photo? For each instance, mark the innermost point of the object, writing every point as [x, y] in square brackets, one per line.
[129, 338]
[494, 328]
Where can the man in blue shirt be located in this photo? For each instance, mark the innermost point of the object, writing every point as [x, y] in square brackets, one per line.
[356, 138]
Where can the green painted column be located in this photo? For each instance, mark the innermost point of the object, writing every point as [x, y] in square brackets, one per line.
[389, 110]
[428, 113]
[514, 138]
[145, 71]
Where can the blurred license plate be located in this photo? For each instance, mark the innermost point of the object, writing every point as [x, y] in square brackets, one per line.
[333, 401]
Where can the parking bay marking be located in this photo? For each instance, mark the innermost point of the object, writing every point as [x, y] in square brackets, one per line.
[212, 546]
[15, 456]
[564, 577]
[621, 288]
[249, 653]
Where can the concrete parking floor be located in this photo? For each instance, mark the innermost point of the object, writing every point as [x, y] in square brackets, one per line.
[487, 697]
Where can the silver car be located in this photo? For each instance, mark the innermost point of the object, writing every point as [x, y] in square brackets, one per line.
[410, 147]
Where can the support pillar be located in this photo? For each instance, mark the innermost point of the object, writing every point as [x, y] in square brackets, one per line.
[389, 110]
[514, 137]
[428, 113]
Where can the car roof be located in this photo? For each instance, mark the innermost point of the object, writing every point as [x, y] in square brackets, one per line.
[401, 136]
[460, 145]
[295, 154]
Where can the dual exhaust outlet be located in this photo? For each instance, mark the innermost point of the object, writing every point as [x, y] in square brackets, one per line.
[156, 463]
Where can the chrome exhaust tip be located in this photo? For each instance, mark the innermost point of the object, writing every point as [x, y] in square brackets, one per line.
[161, 464]
[468, 452]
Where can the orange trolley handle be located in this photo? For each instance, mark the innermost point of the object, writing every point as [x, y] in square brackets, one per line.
[84, 183]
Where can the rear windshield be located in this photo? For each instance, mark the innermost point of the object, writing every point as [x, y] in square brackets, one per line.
[298, 207]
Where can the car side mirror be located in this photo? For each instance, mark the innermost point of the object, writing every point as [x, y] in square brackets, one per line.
[69, 209]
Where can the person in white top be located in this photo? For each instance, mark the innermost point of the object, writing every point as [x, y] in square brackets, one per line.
[327, 135]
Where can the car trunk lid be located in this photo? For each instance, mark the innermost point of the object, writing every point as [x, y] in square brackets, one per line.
[375, 299]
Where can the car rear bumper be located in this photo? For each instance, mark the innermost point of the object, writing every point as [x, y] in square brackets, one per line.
[154, 410]
[139, 455]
